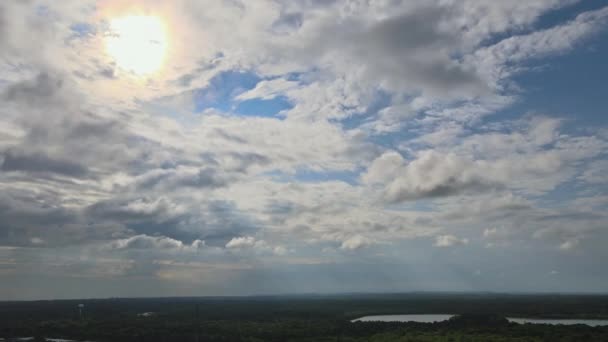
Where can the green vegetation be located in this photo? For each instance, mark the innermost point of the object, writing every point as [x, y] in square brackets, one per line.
[303, 318]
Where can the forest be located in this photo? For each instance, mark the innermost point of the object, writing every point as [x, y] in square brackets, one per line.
[478, 317]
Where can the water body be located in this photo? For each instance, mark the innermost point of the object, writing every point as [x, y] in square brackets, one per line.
[589, 322]
[404, 318]
[30, 339]
[441, 318]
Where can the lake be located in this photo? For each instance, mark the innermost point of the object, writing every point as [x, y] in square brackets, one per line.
[404, 318]
[439, 318]
[589, 322]
[30, 339]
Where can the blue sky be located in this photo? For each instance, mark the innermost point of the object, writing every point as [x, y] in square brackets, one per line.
[179, 148]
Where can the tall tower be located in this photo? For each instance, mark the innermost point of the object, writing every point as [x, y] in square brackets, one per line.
[80, 307]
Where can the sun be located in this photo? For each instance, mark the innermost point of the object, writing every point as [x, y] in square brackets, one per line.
[137, 44]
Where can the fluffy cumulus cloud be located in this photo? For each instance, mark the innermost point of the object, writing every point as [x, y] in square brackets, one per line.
[249, 243]
[276, 142]
[449, 240]
[355, 242]
[153, 242]
[432, 174]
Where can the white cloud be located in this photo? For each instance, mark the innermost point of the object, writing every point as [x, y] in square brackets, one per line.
[37, 241]
[268, 89]
[355, 242]
[449, 241]
[494, 60]
[249, 243]
[569, 244]
[154, 242]
[434, 174]
[243, 242]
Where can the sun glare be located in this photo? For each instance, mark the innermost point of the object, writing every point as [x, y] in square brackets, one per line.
[137, 44]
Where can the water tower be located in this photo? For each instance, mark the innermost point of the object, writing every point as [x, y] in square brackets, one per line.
[80, 307]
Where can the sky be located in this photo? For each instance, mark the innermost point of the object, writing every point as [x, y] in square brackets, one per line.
[194, 148]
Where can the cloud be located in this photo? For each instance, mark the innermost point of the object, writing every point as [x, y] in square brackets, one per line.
[412, 46]
[523, 157]
[405, 121]
[498, 237]
[208, 177]
[490, 232]
[268, 89]
[154, 242]
[355, 242]
[495, 59]
[38, 163]
[449, 241]
[569, 244]
[160, 209]
[430, 175]
[45, 87]
[37, 241]
[242, 242]
[249, 243]
[595, 173]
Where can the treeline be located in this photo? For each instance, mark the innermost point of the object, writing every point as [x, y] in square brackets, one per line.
[338, 306]
[303, 318]
[158, 329]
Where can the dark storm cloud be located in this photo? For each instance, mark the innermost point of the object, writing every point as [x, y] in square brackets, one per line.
[62, 134]
[44, 86]
[39, 163]
[3, 32]
[215, 222]
[412, 48]
[144, 209]
[287, 22]
[170, 176]
[245, 160]
[204, 178]
[92, 129]
[412, 30]
[222, 221]
[412, 51]
[63, 137]
[33, 219]
[230, 137]
[450, 187]
[25, 209]
[168, 179]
